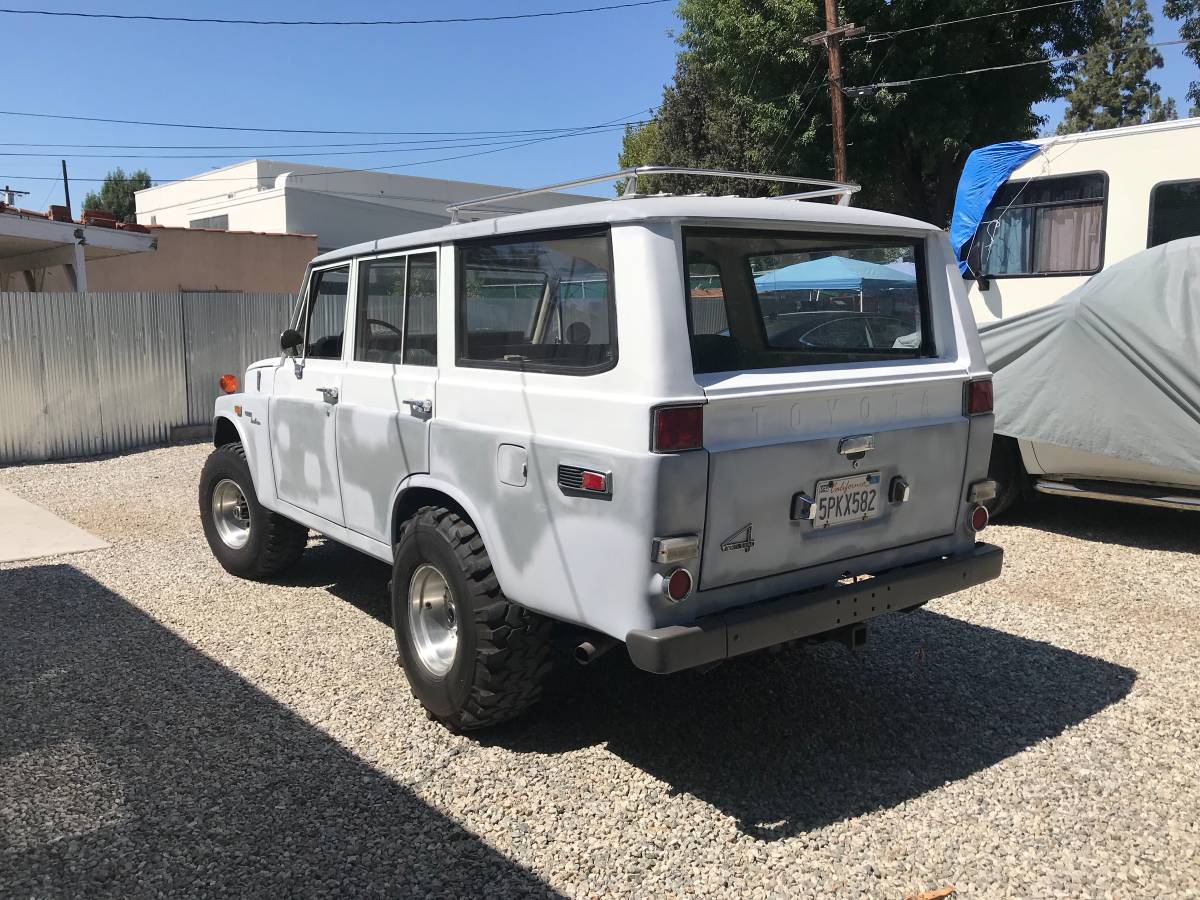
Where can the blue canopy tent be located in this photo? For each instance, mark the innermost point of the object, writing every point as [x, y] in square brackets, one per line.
[835, 273]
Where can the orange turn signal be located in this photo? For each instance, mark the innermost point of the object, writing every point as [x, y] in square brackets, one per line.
[229, 384]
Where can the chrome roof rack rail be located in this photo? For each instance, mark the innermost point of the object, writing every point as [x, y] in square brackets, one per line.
[821, 187]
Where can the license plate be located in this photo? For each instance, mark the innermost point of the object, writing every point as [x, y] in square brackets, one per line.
[840, 501]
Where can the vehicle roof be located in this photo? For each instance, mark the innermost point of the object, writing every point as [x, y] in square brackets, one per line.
[641, 209]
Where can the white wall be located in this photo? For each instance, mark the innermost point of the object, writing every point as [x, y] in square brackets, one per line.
[339, 207]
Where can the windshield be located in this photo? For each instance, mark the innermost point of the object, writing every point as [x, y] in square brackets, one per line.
[762, 300]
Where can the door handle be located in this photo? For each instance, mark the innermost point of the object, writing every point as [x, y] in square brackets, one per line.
[425, 407]
[330, 394]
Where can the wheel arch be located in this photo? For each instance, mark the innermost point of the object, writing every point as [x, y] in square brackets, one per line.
[422, 490]
[226, 431]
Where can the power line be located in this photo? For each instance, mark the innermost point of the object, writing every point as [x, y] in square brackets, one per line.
[378, 169]
[513, 132]
[393, 149]
[1032, 62]
[884, 35]
[458, 20]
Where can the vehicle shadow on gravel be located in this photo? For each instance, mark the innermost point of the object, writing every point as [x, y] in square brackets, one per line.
[1144, 527]
[360, 580]
[794, 741]
[131, 764]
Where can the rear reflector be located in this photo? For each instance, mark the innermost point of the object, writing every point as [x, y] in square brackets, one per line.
[677, 428]
[678, 585]
[979, 518]
[594, 481]
[979, 397]
[229, 384]
[576, 481]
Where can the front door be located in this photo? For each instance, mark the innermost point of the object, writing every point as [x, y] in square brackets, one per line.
[387, 397]
[303, 417]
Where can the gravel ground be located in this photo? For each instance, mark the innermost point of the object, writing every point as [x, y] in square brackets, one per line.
[169, 728]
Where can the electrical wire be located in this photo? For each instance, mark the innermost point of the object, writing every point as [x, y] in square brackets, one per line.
[453, 146]
[1032, 62]
[872, 37]
[512, 133]
[377, 169]
[458, 20]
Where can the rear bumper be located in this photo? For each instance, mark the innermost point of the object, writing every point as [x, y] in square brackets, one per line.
[759, 625]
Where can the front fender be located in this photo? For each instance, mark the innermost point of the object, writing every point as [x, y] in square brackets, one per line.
[249, 421]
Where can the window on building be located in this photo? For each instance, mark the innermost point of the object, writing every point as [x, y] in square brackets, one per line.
[1042, 226]
[1174, 212]
[326, 320]
[538, 303]
[221, 223]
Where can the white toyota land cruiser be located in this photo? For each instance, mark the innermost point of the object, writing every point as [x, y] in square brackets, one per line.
[698, 426]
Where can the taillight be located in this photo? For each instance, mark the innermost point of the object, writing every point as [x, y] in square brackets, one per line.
[978, 398]
[677, 428]
[229, 384]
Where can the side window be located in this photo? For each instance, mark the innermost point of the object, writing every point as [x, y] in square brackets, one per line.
[420, 326]
[706, 298]
[326, 318]
[379, 334]
[537, 303]
[1174, 212]
[1042, 226]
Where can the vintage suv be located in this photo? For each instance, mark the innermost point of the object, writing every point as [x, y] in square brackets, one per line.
[700, 426]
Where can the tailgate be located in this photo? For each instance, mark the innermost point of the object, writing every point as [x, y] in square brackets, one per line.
[771, 456]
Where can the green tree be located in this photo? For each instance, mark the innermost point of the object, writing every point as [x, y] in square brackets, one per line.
[116, 193]
[1112, 86]
[750, 94]
[1189, 29]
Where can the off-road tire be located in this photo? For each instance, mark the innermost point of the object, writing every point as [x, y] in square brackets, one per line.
[275, 542]
[1005, 468]
[503, 654]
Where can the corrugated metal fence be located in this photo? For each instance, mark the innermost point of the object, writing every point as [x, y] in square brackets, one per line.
[99, 373]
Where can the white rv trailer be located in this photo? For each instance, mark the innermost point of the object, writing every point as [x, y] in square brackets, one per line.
[1077, 206]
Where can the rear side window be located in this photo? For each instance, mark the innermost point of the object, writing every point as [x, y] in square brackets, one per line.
[397, 310]
[1174, 212]
[538, 303]
[762, 300]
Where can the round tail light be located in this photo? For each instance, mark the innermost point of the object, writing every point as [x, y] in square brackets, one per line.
[979, 518]
[678, 585]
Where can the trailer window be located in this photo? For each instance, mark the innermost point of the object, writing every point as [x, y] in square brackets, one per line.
[760, 300]
[1174, 212]
[537, 303]
[1042, 226]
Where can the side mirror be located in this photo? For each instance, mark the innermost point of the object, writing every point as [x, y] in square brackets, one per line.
[290, 340]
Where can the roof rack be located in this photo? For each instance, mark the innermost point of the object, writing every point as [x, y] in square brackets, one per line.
[820, 187]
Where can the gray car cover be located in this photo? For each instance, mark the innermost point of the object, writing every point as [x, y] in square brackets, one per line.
[1113, 367]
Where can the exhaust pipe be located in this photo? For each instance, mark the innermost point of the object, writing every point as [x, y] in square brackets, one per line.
[590, 651]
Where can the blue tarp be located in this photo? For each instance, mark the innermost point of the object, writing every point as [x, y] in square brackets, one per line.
[987, 168]
[832, 273]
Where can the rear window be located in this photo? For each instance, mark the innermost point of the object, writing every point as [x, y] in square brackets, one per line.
[538, 303]
[763, 300]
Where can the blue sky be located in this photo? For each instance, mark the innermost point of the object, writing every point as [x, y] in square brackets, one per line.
[540, 73]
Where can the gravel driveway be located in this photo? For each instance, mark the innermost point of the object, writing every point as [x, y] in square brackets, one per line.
[165, 727]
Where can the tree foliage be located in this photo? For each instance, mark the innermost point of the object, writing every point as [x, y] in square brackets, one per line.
[750, 94]
[1113, 88]
[116, 193]
[1188, 11]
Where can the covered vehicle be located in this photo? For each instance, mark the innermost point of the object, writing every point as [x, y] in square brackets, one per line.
[1098, 395]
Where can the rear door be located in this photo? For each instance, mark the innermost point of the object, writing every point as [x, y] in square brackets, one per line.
[306, 392]
[823, 445]
[387, 398]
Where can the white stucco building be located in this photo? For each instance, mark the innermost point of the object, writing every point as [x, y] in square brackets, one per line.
[338, 206]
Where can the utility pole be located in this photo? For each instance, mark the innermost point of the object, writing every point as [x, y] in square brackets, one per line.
[832, 38]
[67, 191]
